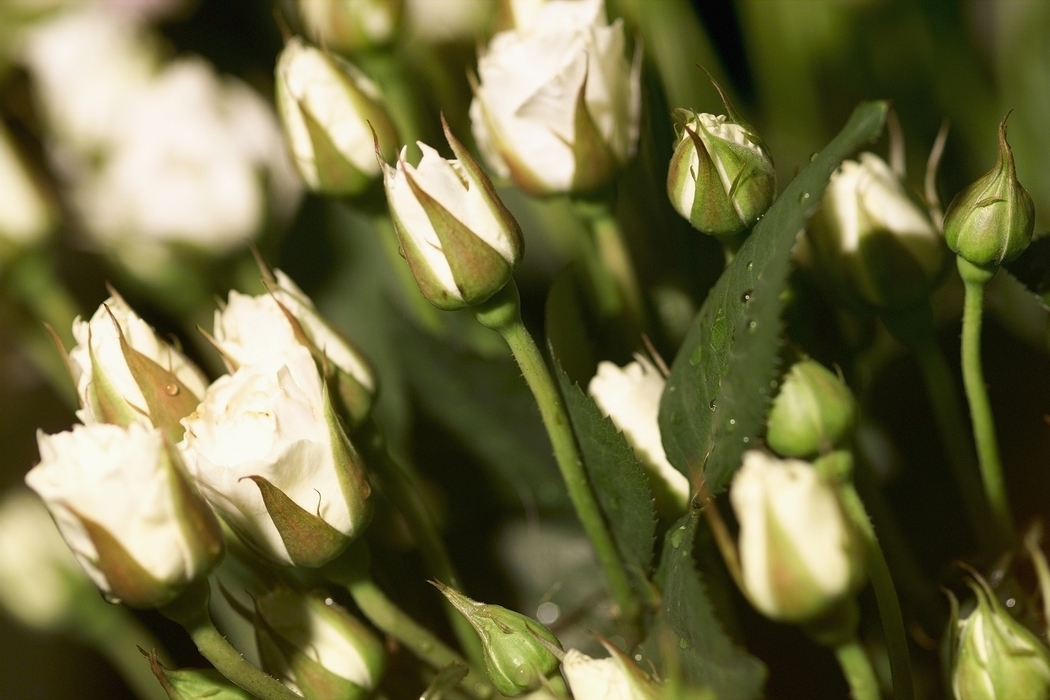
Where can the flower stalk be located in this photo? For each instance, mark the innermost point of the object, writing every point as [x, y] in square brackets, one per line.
[502, 313]
[858, 671]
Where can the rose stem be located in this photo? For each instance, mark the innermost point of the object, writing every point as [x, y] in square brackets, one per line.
[352, 571]
[858, 671]
[502, 313]
[399, 484]
[191, 611]
[885, 595]
[975, 278]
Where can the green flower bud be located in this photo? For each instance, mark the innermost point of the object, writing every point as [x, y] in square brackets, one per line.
[721, 178]
[991, 221]
[516, 659]
[992, 655]
[875, 245]
[814, 412]
[317, 647]
[332, 117]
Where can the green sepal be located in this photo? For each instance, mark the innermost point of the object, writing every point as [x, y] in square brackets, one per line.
[310, 541]
[350, 468]
[336, 175]
[479, 179]
[104, 399]
[596, 164]
[168, 400]
[129, 583]
[478, 269]
[194, 683]
[198, 522]
[713, 212]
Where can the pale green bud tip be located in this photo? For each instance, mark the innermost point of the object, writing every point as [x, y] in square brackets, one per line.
[721, 178]
[519, 652]
[991, 221]
[993, 656]
[814, 412]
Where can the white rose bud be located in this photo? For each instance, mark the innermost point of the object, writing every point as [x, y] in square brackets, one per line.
[992, 655]
[316, 647]
[872, 240]
[126, 507]
[721, 178]
[800, 556]
[351, 25]
[40, 581]
[25, 215]
[330, 111]
[459, 239]
[446, 21]
[267, 450]
[258, 329]
[125, 374]
[630, 397]
[557, 106]
[616, 677]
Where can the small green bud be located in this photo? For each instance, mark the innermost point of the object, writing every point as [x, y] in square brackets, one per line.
[317, 647]
[721, 178]
[814, 412]
[516, 659]
[991, 221]
[992, 655]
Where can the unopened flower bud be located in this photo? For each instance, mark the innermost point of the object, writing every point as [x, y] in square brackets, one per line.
[874, 244]
[316, 647]
[813, 413]
[992, 655]
[799, 554]
[557, 105]
[329, 111]
[349, 26]
[721, 178]
[25, 215]
[127, 508]
[257, 329]
[195, 683]
[616, 676]
[124, 373]
[630, 396]
[516, 659]
[268, 451]
[991, 221]
[459, 239]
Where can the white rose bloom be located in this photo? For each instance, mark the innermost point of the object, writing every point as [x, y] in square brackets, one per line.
[255, 330]
[125, 511]
[25, 216]
[318, 91]
[189, 169]
[630, 397]
[485, 237]
[271, 421]
[98, 357]
[872, 237]
[86, 66]
[612, 678]
[524, 114]
[40, 580]
[799, 554]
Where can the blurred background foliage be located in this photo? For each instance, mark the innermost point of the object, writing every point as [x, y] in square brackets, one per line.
[795, 69]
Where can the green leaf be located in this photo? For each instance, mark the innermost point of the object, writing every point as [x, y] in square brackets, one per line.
[485, 402]
[716, 398]
[619, 481]
[1032, 269]
[688, 629]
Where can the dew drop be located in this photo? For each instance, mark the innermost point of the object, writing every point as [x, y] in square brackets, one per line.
[1010, 602]
[813, 156]
[171, 389]
[676, 537]
[803, 197]
[747, 440]
[746, 296]
[401, 252]
[682, 644]
[732, 421]
[750, 264]
[713, 405]
[329, 601]
[752, 325]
